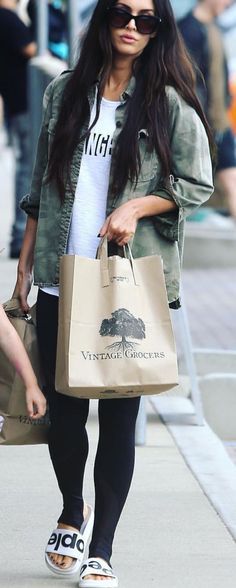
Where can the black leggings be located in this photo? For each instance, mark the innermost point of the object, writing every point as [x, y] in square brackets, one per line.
[68, 443]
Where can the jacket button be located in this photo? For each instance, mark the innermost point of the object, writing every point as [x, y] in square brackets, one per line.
[119, 124]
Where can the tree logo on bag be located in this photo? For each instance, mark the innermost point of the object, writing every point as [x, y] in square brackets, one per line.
[122, 324]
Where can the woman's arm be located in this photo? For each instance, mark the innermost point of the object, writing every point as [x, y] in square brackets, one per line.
[151, 205]
[25, 265]
[14, 350]
[121, 224]
[30, 204]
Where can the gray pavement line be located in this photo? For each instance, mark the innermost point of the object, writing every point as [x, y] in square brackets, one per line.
[214, 233]
[217, 376]
[214, 350]
[204, 454]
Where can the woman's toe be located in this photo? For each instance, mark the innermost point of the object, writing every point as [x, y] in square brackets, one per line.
[97, 578]
[53, 557]
[66, 562]
[62, 561]
[59, 560]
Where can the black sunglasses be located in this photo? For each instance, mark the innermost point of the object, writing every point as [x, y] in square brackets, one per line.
[146, 24]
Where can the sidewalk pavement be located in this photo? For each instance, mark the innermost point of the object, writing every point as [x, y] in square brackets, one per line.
[170, 535]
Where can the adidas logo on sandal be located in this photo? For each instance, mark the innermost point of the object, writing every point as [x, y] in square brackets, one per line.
[66, 541]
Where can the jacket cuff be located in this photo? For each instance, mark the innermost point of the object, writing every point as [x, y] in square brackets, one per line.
[29, 206]
[167, 223]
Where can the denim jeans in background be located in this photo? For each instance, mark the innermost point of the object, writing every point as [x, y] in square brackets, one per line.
[20, 134]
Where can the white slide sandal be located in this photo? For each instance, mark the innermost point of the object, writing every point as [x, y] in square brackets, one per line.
[95, 566]
[69, 543]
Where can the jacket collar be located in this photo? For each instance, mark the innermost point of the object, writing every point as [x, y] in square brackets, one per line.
[130, 88]
[127, 93]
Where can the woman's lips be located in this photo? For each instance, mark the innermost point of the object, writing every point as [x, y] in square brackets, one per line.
[128, 39]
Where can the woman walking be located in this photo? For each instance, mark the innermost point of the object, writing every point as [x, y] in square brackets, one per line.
[123, 152]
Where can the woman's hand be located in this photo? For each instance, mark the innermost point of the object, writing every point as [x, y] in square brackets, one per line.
[35, 401]
[120, 225]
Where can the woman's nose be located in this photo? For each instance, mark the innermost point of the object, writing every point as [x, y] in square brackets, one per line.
[131, 25]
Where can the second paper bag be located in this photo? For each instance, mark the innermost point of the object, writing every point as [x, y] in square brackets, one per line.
[16, 427]
[115, 336]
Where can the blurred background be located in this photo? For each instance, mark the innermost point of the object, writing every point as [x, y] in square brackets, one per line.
[55, 26]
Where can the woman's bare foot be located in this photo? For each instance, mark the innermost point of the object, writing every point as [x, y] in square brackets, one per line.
[64, 561]
[93, 577]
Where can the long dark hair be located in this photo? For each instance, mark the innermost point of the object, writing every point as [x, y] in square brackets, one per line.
[163, 62]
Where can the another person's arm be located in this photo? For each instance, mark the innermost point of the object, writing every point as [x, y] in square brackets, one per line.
[14, 350]
[19, 38]
[29, 50]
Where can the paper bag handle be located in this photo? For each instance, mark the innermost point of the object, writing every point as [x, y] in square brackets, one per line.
[102, 254]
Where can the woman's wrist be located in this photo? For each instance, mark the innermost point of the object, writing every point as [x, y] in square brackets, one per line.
[136, 207]
[151, 205]
[25, 264]
[24, 270]
[30, 382]
[142, 207]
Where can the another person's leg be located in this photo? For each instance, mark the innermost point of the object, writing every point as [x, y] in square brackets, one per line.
[226, 168]
[227, 183]
[113, 470]
[68, 442]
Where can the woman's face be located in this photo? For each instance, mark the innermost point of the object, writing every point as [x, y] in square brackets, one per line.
[127, 41]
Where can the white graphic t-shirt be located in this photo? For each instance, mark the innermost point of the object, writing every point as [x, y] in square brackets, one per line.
[89, 208]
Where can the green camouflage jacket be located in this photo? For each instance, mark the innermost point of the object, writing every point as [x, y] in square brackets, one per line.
[190, 185]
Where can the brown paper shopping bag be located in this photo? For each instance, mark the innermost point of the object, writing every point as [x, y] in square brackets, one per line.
[15, 426]
[115, 336]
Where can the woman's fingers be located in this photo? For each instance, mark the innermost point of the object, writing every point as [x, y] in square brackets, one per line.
[121, 237]
[117, 232]
[38, 413]
[125, 238]
[23, 303]
[21, 293]
[104, 227]
[120, 225]
[30, 409]
[36, 408]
